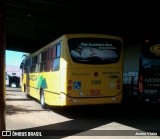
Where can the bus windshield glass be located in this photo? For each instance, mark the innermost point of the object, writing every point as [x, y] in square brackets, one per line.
[149, 63]
[151, 57]
[94, 50]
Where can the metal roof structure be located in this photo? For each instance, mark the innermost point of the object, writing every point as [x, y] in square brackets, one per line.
[31, 24]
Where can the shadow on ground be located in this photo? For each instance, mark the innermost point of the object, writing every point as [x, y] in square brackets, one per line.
[11, 110]
[144, 117]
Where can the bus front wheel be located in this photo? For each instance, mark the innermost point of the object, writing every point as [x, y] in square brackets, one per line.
[42, 99]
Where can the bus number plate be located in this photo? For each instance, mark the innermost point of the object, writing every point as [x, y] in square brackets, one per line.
[94, 92]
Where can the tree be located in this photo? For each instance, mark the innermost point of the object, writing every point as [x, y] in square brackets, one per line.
[24, 56]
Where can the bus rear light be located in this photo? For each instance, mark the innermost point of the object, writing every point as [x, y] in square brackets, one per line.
[140, 87]
[141, 78]
[118, 80]
[69, 88]
[117, 98]
[147, 41]
[70, 82]
[140, 84]
[118, 86]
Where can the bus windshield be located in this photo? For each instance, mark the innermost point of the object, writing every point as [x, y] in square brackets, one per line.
[151, 57]
[148, 63]
[94, 50]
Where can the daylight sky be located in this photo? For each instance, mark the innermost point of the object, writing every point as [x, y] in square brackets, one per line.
[14, 58]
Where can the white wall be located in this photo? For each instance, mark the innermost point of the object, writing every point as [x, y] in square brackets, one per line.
[10, 69]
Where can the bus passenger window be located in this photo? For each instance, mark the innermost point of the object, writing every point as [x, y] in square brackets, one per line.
[53, 52]
[56, 60]
[28, 65]
[58, 50]
[56, 64]
[48, 62]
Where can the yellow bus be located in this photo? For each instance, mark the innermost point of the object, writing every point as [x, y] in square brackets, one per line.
[75, 69]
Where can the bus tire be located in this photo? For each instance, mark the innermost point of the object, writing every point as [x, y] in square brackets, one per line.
[42, 99]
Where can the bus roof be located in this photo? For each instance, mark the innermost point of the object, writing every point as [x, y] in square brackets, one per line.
[75, 35]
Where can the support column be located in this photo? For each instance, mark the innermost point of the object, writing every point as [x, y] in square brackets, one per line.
[2, 69]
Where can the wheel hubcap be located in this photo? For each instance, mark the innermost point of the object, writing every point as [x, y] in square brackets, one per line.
[42, 99]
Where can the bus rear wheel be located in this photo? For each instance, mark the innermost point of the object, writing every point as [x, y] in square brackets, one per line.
[42, 99]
